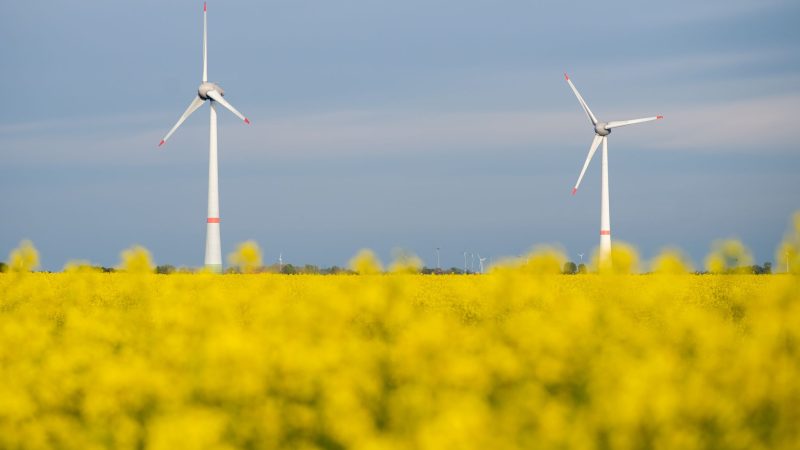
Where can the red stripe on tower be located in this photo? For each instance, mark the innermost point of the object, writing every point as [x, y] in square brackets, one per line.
[605, 232]
[213, 220]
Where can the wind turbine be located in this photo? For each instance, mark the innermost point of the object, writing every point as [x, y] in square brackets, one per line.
[214, 94]
[601, 132]
[480, 261]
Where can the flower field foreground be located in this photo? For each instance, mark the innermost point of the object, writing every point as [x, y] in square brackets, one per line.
[502, 361]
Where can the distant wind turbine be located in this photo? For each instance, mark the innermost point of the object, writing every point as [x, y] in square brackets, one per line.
[480, 261]
[214, 94]
[601, 132]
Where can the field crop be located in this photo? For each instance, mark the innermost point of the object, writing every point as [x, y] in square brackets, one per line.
[513, 359]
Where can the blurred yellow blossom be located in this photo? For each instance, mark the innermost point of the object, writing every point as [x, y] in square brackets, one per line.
[728, 255]
[247, 257]
[365, 262]
[24, 258]
[405, 262]
[671, 261]
[787, 257]
[136, 260]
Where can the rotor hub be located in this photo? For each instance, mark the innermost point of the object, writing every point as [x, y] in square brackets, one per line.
[601, 130]
[206, 87]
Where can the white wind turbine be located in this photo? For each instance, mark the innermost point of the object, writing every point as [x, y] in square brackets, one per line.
[213, 93]
[602, 130]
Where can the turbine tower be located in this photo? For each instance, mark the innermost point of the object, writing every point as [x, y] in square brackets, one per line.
[601, 132]
[214, 94]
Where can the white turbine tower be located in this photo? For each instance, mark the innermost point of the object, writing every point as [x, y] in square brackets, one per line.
[213, 93]
[602, 130]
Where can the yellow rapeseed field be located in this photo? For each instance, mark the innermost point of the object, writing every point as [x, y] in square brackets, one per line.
[521, 358]
[513, 359]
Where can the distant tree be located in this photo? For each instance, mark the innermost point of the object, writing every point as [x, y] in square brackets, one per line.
[272, 268]
[582, 268]
[107, 269]
[3, 267]
[165, 269]
[288, 269]
[310, 269]
[570, 268]
[455, 271]
[333, 270]
[760, 270]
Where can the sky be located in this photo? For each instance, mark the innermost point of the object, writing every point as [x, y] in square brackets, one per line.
[384, 125]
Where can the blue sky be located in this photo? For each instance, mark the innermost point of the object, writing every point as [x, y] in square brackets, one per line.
[397, 124]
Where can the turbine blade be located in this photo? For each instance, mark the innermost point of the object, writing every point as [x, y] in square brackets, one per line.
[219, 99]
[592, 149]
[196, 103]
[588, 111]
[622, 123]
[205, 43]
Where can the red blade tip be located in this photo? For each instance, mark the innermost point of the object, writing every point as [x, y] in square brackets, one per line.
[566, 77]
[247, 121]
[204, 7]
[574, 190]
[659, 117]
[161, 143]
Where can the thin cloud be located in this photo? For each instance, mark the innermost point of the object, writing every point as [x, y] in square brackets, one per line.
[758, 126]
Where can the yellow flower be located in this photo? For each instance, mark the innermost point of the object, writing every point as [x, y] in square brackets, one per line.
[671, 261]
[136, 260]
[247, 257]
[24, 258]
[405, 262]
[729, 255]
[365, 262]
